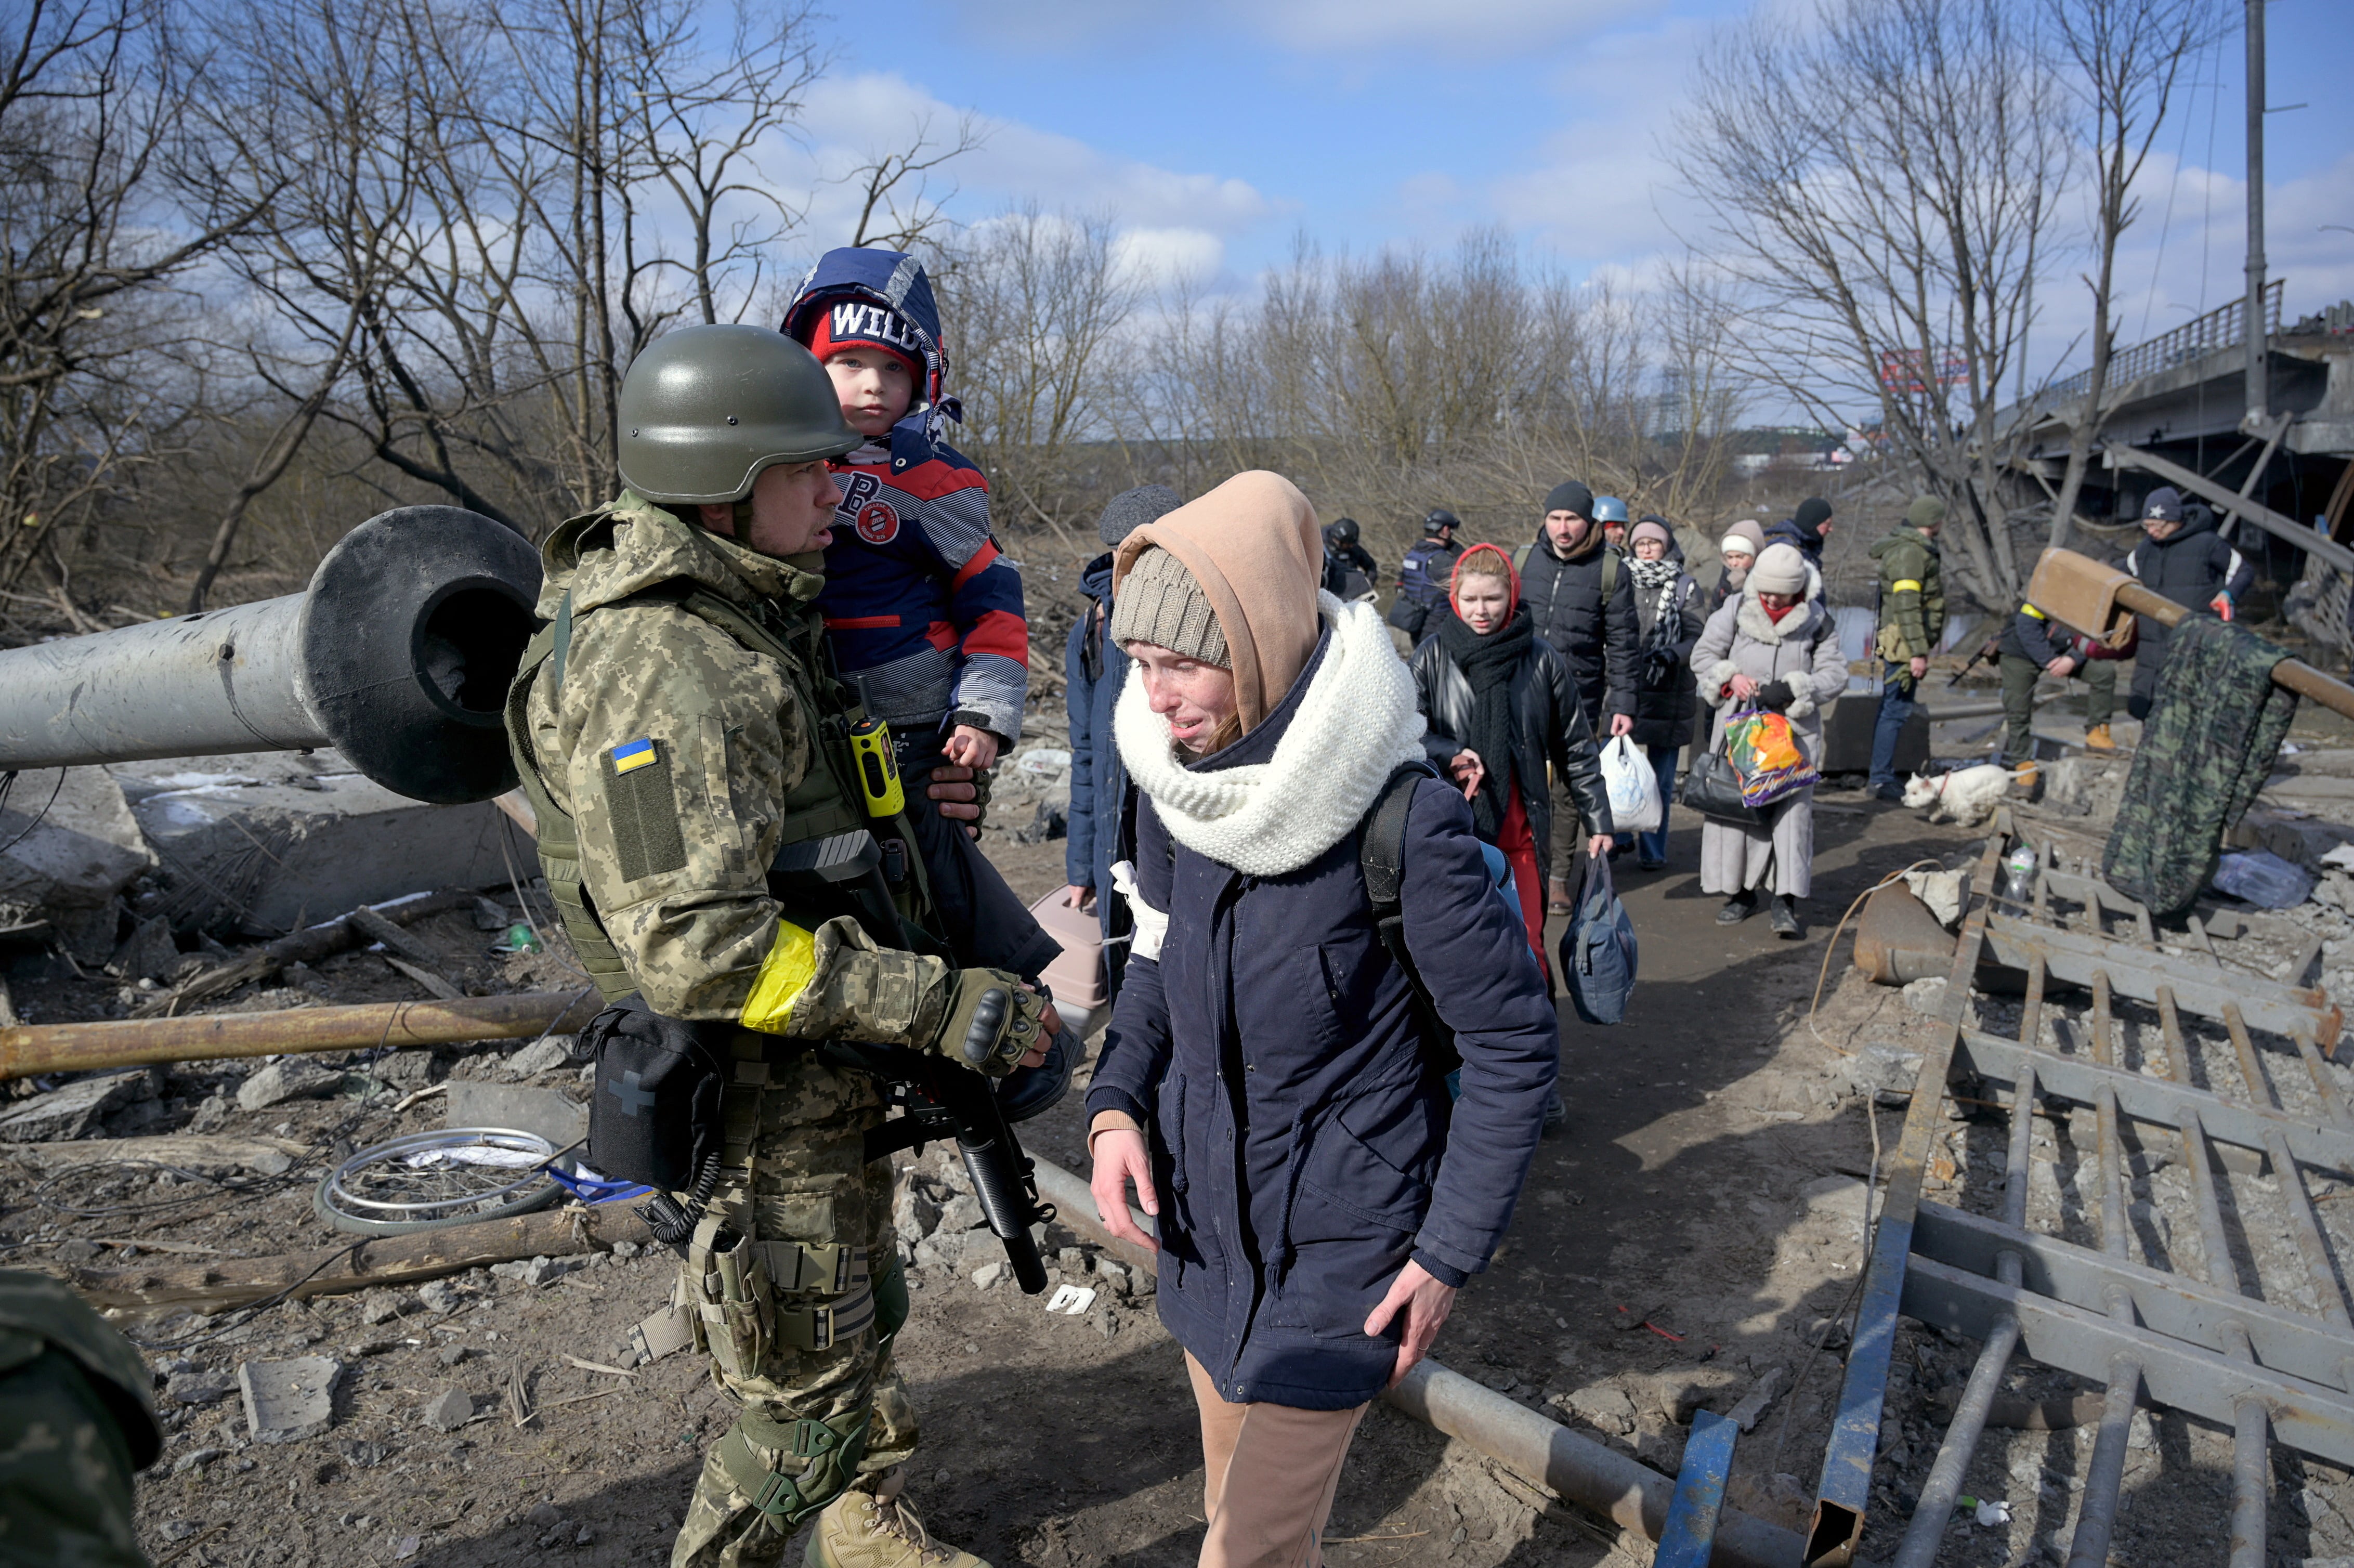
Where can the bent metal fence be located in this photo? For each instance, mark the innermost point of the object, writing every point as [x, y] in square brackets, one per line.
[2134, 1049]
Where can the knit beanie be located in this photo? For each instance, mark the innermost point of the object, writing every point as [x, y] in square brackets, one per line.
[1158, 602]
[863, 324]
[2163, 505]
[1131, 509]
[1781, 569]
[1746, 532]
[1812, 513]
[1649, 529]
[1926, 512]
[1569, 496]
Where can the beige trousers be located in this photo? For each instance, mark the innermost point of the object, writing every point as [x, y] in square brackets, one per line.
[1268, 1475]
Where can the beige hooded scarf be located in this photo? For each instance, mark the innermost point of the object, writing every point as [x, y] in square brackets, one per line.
[1253, 546]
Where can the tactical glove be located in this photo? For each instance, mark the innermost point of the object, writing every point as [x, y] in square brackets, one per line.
[992, 1023]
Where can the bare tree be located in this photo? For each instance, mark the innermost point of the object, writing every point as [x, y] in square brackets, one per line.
[1884, 236]
[2128, 57]
[898, 209]
[95, 222]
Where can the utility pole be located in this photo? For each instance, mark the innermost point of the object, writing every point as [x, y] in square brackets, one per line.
[2253, 332]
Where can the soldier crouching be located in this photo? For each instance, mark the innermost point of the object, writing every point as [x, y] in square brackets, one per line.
[689, 755]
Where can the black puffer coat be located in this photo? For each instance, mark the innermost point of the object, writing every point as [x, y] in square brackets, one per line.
[2190, 568]
[1664, 701]
[1597, 640]
[1548, 727]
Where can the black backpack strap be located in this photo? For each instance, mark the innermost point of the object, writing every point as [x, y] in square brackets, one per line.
[1380, 856]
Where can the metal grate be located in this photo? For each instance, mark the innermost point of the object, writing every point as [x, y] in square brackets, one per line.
[2213, 1290]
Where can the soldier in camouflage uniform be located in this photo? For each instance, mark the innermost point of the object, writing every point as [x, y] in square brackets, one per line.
[675, 726]
[76, 1421]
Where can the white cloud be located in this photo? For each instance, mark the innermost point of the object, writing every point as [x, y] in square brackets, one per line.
[851, 117]
[1159, 256]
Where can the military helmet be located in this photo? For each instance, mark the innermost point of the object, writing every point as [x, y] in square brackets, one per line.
[704, 408]
[1342, 532]
[1439, 520]
[1609, 509]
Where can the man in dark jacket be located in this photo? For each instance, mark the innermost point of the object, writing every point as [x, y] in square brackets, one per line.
[1425, 574]
[1582, 597]
[2185, 559]
[2032, 646]
[1807, 529]
[1093, 669]
[1912, 621]
[1350, 569]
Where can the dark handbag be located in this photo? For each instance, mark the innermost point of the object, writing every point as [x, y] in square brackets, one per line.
[1712, 788]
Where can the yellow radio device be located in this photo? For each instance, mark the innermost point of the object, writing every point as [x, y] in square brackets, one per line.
[878, 768]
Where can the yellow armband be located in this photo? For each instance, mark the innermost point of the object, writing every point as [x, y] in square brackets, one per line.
[784, 975]
[1904, 585]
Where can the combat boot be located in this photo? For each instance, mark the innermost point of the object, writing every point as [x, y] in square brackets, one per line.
[2097, 739]
[874, 1530]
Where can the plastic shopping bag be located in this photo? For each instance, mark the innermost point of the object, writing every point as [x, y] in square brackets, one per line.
[1634, 788]
[1766, 755]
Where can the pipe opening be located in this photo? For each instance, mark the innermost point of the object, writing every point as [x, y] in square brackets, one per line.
[469, 647]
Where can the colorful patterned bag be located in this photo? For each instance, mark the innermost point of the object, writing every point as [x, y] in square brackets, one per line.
[1766, 756]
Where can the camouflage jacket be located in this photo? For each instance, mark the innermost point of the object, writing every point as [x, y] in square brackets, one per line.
[1912, 594]
[75, 1420]
[673, 746]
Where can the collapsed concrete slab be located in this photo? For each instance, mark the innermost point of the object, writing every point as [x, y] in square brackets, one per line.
[73, 844]
[261, 843]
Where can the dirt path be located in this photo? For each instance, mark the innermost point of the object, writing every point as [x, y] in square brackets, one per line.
[1689, 1235]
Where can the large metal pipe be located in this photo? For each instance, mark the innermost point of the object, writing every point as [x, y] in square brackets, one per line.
[35, 1048]
[1610, 1483]
[399, 655]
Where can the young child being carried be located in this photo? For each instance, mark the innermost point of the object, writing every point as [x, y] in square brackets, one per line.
[923, 612]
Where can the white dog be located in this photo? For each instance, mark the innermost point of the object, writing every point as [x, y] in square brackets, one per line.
[1968, 795]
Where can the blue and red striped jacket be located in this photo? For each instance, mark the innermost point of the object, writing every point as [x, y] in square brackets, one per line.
[923, 610]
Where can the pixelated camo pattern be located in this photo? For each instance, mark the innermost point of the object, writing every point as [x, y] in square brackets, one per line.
[695, 921]
[811, 1182]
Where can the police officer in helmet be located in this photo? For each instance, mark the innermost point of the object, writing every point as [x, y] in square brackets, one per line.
[678, 731]
[1425, 573]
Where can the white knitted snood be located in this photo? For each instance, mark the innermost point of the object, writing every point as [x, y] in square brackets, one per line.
[1354, 725]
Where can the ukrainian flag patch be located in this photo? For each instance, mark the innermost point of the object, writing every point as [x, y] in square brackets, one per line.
[635, 754]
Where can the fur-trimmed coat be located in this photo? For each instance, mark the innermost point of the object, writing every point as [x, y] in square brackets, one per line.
[1801, 650]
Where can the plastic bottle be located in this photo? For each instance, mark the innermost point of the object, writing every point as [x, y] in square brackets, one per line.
[2018, 875]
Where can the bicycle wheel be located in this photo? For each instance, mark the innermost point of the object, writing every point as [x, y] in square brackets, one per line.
[425, 1181]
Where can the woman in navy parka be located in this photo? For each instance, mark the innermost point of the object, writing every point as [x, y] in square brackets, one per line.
[1263, 1084]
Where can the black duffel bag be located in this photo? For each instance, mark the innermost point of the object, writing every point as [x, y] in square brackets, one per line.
[1712, 788]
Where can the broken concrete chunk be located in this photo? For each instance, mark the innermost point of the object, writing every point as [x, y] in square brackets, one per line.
[1927, 996]
[989, 1275]
[85, 848]
[1887, 1072]
[1604, 1407]
[451, 1411]
[290, 1400]
[293, 1078]
[384, 1306]
[149, 953]
[915, 1216]
[72, 1111]
[491, 916]
[962, 1213]
[548, 1112]
[539, 1057]
[440, 1296]
[1760, 1395]
[535, 1271]
[198, 1387]
[211, 1116]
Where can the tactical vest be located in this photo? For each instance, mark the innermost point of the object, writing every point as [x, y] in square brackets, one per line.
[825, 804]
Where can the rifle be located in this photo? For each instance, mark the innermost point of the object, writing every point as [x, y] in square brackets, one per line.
[942, 1099]
[1987, 651]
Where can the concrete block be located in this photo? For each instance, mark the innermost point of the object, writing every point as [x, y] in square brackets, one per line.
[149, 953]
[74, 1110]
[265, 843]
[295, 1078]
[550, 1113]
[452, 1410]
[290, 1400]
[85, 849]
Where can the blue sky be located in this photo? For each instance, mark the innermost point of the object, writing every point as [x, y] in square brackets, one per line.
[1219, 130]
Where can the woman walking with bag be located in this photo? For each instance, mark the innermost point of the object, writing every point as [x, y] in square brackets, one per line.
[1669, 615]
[1264, 1084]
[1775, 647]
[1502, 707]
